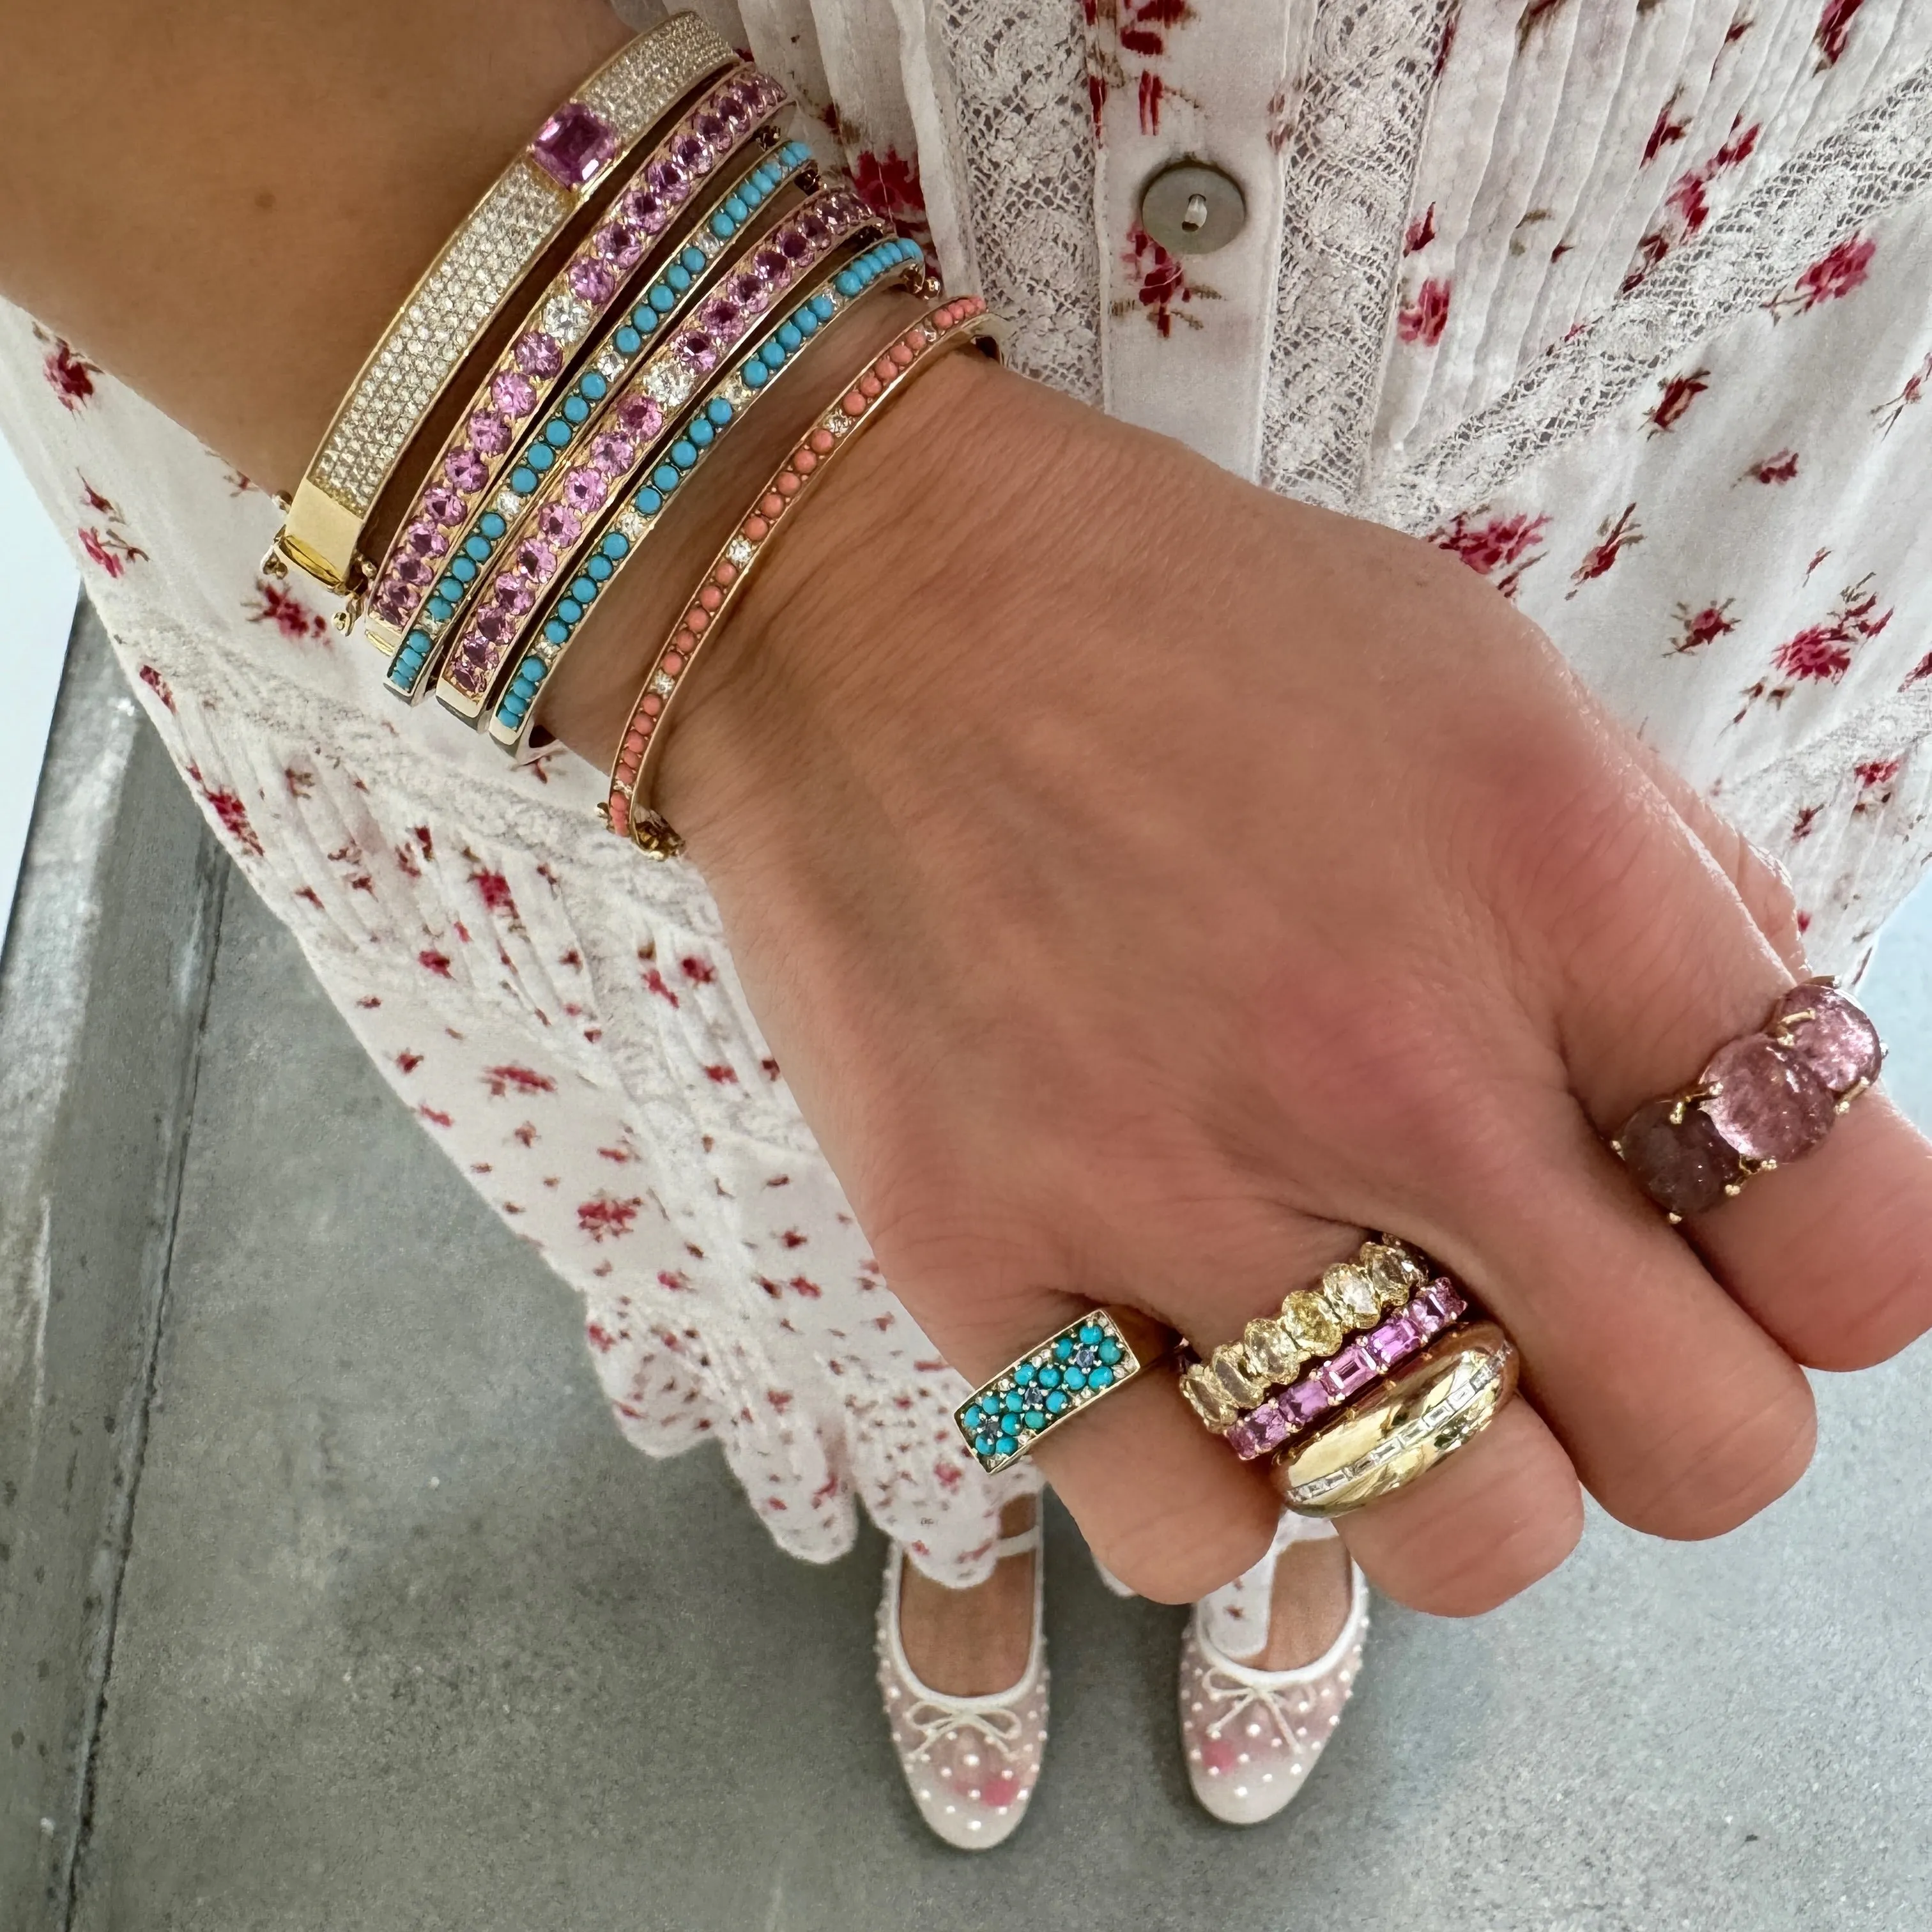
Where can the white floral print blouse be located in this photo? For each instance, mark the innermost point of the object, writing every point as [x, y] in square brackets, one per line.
[1627, 303]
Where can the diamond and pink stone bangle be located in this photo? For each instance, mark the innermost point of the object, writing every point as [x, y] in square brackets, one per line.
[959, 324]
[487, 441]
[501, 242]
[1764, 1099]
[553, 528]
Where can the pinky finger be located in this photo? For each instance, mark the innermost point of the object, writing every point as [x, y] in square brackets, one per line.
[1503, 1511]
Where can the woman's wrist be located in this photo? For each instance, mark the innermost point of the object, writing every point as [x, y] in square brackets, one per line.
[590, 694]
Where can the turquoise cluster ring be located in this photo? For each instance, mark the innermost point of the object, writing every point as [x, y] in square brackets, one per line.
[1005, 1416]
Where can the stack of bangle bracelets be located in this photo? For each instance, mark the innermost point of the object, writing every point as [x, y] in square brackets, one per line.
[687, 254]
[961, 323]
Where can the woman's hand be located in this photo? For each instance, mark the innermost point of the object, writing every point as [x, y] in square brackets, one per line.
[1147, 884]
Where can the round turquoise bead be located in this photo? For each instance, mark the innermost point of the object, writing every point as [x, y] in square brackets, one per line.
[1014, 1402]
[462, 569]
[693, 260]
[848, 283]
[1063, 1349]
[1049, 1377]
[789, 337]
[684, 454]
[476, 546]
[773, 356]
[440, 609]
[522, 479]
[584, 589]
[701, 432]
[418, 642]
[540, 458]
[648, 502]
[987, 1446]
[1110, 1353]
[969, 1417]
[1076, 1379]
[556, 433]
[1056, 1402]
[755, 374]
[556, 633]
[491, 525]
[678, 277]
[615, 544]
[1092, 1332]
[661, 299]
[1024, 1373]
[806, 321]
[1033, 1419]
[644, 318]
[593, 385]
[666, 478]
[1100, 1378]
[575, 410]
[823, 306]
[598, 567]
[735, 207]
[720, 411]
[628, 340]
[1010, 1445]
[569, 610]
[722, 224]
[448, 588]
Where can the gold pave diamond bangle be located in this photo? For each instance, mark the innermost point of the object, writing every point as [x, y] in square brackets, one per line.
[503, 240]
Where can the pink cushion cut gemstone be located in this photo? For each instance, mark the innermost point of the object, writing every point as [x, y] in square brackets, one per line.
[538, 355]
[593, 279]
[465, 470]
[513, 392]
[573, 145]
[1838, 1042]
[489, 432]
[1684, 1166]
[1769, 1105]
[560, 525]
[642, 415]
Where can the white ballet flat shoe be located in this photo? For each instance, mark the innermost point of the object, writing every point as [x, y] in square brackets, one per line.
[1250, 1738]
[971, 1763]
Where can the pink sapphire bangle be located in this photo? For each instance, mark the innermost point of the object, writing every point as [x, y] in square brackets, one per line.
[1764, 1099]
[614, 543]
[544, 547]
[960, 324]
[529, 209]
[495, 432]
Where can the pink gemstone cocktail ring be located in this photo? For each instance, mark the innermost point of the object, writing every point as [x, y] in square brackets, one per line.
[1764, 1099]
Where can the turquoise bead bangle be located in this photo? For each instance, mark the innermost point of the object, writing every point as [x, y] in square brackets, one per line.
[706, 253]
[636, 516]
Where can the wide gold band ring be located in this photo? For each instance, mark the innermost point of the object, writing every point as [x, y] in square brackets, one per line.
[1403, 1427]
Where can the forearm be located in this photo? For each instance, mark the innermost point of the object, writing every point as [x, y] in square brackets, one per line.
[261, 185]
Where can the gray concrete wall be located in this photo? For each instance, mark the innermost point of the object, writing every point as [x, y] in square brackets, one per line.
[102, 989]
